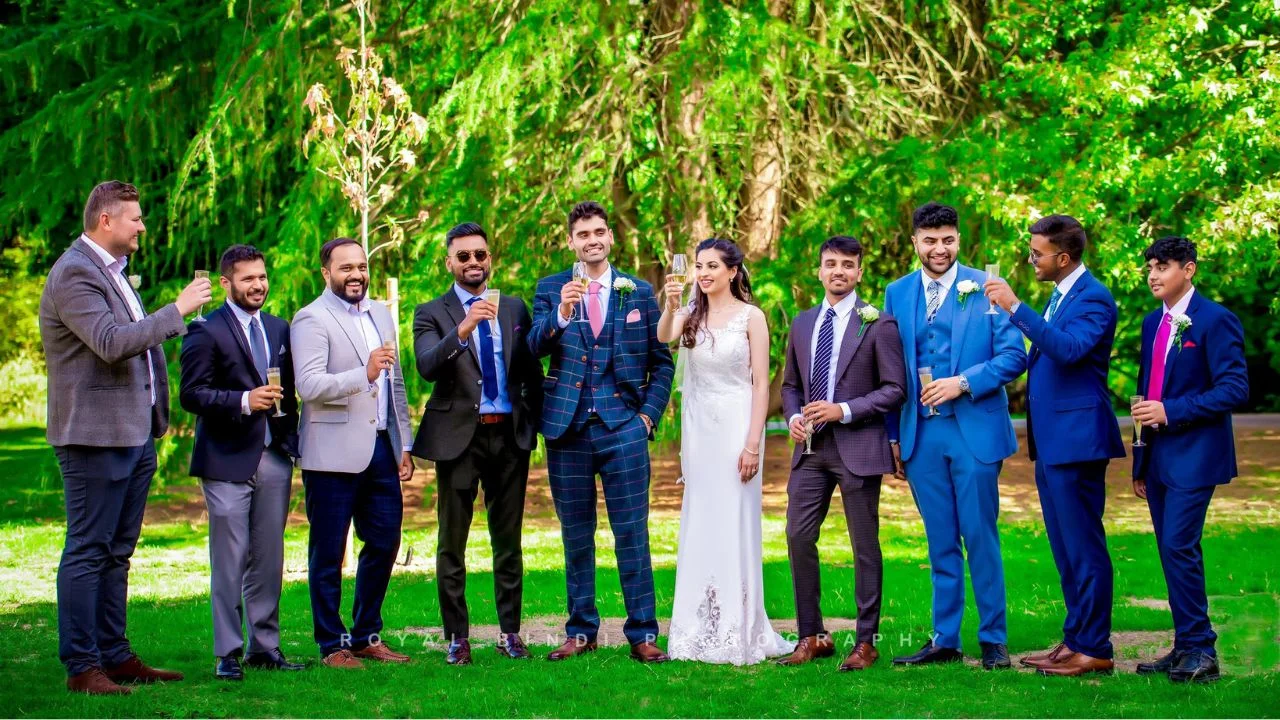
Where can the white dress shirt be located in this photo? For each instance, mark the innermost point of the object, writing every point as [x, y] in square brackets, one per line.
[844, 311]
[372, 339]
[115, 269]
[606, 287]
[244, 317]
[1179, 308]
[948, 279]
[1065, 286]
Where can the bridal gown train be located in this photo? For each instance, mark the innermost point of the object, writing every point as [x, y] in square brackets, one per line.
[719, 615]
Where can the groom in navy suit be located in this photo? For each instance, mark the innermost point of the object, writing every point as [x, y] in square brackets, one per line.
[1193, 375]
[952, 458]
[1072, 434]
[608, 385]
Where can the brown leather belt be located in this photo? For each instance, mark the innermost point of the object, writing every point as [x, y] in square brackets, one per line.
[493, 419]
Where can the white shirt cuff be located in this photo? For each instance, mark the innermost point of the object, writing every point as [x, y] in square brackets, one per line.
[244, 404]
[848, 414]
[561, 320]
[793, 419]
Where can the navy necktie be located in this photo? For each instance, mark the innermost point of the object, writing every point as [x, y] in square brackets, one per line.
[488, 368]
[818, 381]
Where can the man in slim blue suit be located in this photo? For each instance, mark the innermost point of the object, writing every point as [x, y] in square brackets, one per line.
[952, 459]
[1072, 434]
[1193, 375]
[608, 385]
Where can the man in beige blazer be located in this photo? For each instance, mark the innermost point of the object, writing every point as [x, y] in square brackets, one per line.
[354, 438]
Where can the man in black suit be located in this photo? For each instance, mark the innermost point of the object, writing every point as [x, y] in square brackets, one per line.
[246, 440]
[479, 429]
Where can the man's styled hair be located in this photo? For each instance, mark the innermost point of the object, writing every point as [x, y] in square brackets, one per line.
[463, 230]
[237, 254]
[1065, 232]
[934, 215]
[842, 244]
[326, 250]
[584, 210]
[105, 198]
[1172, 247]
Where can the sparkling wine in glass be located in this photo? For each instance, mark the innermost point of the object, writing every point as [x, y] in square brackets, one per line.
[680, 272]
[1137, 427]
[273, 378]
[993, 272]
[926, 377]
[808, 438]
[580, 276]
[493, 296]
[390, 344]
[201, 275]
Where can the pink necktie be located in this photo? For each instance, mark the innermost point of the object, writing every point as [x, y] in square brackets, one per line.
[1159, 349]
[594, 315]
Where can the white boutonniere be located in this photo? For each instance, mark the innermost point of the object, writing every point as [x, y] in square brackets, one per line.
[1180, 323]
[135, 281]
[869, 314]
[964, 289]
[623, 287]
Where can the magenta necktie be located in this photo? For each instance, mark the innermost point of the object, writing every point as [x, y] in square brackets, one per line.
[594, 314]
[1159, 350]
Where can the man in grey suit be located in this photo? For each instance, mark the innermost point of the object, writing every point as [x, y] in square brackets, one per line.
[844, 372]
[355, 440]
[108, 399]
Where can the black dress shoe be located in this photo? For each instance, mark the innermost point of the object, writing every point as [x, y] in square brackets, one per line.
[1163, 665]
[459, 652]
[930, 654]
[272, 659]
[228, 668]
[510, 645]
[995, 655]
[1195, 667]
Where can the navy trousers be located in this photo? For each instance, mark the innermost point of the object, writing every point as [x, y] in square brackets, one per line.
[1178, 517]
[334, 500]
[1072, 498]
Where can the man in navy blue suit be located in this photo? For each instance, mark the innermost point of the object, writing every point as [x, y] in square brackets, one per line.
[1072, 434]
[953, 435]
[1193, 375]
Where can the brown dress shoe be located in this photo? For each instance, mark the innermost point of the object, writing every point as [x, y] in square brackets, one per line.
[863, 656]
[647, 652]
[1047, 658]
[510, 645]
[381, 653]
[134, 671]
[95, 682]
[810, 648]
[571, 648]
[1075, 665]
[343, 660]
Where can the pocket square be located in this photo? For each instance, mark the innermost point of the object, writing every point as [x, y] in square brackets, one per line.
[282, 350]
[633, 316]
[1188, 344]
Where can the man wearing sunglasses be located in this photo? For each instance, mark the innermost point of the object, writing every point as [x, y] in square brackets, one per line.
[479, 428]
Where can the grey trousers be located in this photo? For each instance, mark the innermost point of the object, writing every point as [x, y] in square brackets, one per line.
[246, 555]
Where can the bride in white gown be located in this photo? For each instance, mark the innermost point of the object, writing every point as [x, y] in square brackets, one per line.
[719, 616]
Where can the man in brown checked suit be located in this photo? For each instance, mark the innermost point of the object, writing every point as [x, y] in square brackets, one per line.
[844, 372]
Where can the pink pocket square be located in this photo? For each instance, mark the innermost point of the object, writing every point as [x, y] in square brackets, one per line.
[1188, 344]
[633, 316]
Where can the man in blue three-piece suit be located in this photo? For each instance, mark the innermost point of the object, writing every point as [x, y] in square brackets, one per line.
[608, 385]
[952, 459]
[1192, 381]
[1072, 434]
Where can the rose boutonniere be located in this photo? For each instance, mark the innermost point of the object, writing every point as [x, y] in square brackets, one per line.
[1180, 323]
[869, 314]
[964, 289]
[623, 287]
[135, 281]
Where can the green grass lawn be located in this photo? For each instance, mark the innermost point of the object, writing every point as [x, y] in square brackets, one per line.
[170, 626]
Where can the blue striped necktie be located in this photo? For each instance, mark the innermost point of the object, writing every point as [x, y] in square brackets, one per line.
[1053, 303]
[818, 382]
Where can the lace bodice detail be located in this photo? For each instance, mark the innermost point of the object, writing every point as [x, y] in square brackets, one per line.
[720, 363]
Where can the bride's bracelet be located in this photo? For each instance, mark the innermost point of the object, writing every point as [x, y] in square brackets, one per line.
[753, 452]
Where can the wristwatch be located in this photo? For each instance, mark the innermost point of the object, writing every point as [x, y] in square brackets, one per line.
[964, 385]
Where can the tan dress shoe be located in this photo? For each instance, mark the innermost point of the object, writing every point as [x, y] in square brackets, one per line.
[571, 648]
[1077, 664]
[134, 670]
[808, 649]
[647, 652]
[342, 660]
[863, 656]
[381, 653]
[95, 682]
[1047, 658]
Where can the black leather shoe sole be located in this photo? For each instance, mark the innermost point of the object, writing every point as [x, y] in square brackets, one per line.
[930, 660]
[1198, 678]
[229, 676]
[998, 665]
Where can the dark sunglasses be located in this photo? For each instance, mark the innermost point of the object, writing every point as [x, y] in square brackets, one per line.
[465, 255]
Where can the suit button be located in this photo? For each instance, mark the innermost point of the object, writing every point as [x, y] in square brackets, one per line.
[577, 384]
[617, 395]
[372, 421]
[584, 358]
[595, 367]
[475, 407]
[480, 382]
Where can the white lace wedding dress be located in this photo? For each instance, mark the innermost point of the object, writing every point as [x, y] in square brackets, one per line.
[719, 615]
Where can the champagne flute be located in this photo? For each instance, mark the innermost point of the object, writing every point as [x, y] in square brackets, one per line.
[273, 378]
[201, 275]
[993, 272]
[580, 276]
[680, 272]
[1137, 427]
[808, 438]
[493, 296]
[926, 377]
[390, 344]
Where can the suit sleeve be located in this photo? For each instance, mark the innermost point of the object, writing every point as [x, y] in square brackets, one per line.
[83, 307]
[196, 393]
[892, 389]
[434, 348]
[544, 336]
[532, 371]
[892, 419]
[662, 368]
[1229, 384]
[792, 393]
[1070, 342]
[289, 405]
[1008, 359]
[311, 363]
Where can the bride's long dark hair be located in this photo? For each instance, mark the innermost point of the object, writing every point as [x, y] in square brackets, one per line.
[740, 286]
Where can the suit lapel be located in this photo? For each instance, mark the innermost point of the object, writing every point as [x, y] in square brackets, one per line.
[1174, 352]
[505, 326]
[960, 325]
[347, 323]
[803, 340]
[853, 335]
[613, 311]
[453, 306]
[106, 275]
[1084, 279]
[228, 318]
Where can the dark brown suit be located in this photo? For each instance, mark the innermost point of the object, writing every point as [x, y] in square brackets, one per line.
[871, 378]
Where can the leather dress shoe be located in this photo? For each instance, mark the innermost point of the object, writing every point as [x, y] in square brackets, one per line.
[572, 648]
[95, 682]
[459, 652]
[1054, 655]
[929, 655]
[862, 656]
[342, 660]
[995, 655]
[647, 652]
[381, 653]
[1075, 665]
[272, 659]
[510, 645]
[1196, 667]
[228, 668]
[134, 671]
[808, 649]
[1160, 665]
